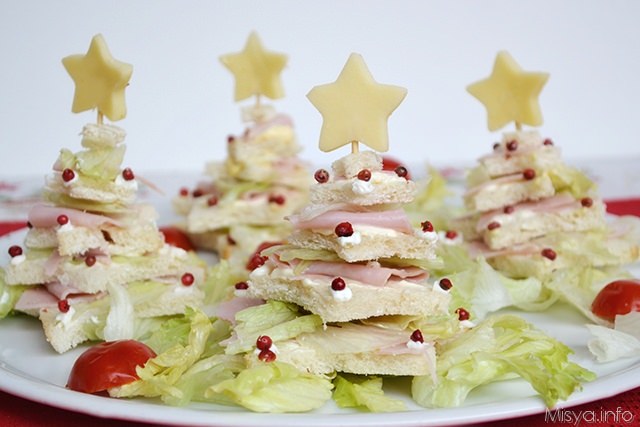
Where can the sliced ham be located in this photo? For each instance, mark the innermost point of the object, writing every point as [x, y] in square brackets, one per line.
[52, 263]
[477, 248]
[61, 291]
[227, 310]
[35, 298]
[370, 274]
[44, 216]
[393, 219]
[550, 204]
[507, 179]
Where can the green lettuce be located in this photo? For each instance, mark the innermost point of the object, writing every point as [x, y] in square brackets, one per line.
[278, 320]
[275, 387]
[364, 393]
[9, 295]
[501, 347]
[566, 178]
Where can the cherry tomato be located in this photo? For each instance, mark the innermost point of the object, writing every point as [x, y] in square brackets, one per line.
[618, 297]
[108, 364]
[176, 237]
[390, 164]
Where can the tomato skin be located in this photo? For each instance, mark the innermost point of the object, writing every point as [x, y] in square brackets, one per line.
[390, 164]
[108, 364]
[176, 237]
[618, 297]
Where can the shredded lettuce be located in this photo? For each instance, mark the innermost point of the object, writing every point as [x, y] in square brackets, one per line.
[483, 290]
[275, 387]
[120, 320]
[566, 178]
[499, 348]
[220, 282]
[9, 295]
[278, 320]
[364, 393]
[101, 163]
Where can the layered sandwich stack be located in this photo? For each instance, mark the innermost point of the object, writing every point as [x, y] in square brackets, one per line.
[94, 264]
[245, 198]
[530, 214]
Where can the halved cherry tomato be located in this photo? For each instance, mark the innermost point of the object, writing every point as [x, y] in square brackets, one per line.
[618, 297]
[390, 164]
[108, 364]
[176, 237]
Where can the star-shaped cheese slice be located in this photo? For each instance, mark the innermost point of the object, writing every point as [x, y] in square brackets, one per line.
[510, 94]
[355, 108]
[100, 80]
[257, 71]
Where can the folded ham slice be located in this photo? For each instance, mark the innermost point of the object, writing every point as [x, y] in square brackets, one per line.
[395, 219]
[370, 274]
[45, 216]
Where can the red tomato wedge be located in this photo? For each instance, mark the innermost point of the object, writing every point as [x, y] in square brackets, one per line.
[618, 297]
[108, 364]
[176, 237]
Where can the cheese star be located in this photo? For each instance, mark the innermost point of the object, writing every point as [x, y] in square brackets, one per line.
[510, 94]
[100, 80]
[257, 71]
[355, 107]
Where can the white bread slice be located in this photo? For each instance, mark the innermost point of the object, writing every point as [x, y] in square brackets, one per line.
[522, 225]
[315, 294]
[595, 249]
[117, 192]
[531, 152]
[325, 361]
[65, 331]
[256, 211]
[496, 194]
[383, 188]
[169, 261]
[372, 243]
[350, 165]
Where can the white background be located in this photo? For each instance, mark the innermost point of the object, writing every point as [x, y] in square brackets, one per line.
[180, 100]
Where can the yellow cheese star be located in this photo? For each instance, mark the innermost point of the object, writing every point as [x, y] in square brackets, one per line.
[355, 107]
[510, 94]
[100, 80]
[257, 71]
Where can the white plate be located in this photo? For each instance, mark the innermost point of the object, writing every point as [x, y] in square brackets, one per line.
[30, 368]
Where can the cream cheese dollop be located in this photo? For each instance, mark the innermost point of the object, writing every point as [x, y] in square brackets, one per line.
[361, 187]
[342, 295]
[354, 239]
[65, 318]
[19, 259]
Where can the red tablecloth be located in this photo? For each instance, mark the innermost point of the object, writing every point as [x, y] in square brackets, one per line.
[19, 412]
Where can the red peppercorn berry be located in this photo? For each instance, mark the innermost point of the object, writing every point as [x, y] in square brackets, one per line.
[230, 139]
[587, 202]
[427, 227]
[230, 240]
[401, 171]
[187, 279]
[496, 145]
[197, 193]
[529, 174]
[508, 209]
[451, 234]
[62, 219]
[338, 284]
[15, 251]
[493, 225]
[127, 174]
[364, 175]
[344, 229]
[445, 284]
[512, 145]
[462, 314]
[549, 253]
[63, 305]
[267, 356]
[416, 336]
[321, 176]
[264, 342]
[278, 199]
[184, 191]
[68, 175]
[90, 260]
[548, 142]
[212, 201]
[241, 286]
[29, 225]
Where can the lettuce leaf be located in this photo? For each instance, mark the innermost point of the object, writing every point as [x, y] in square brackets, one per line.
[278, 320]
[9, 295]
[275, 387]
[500, 347]
[364, 393]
